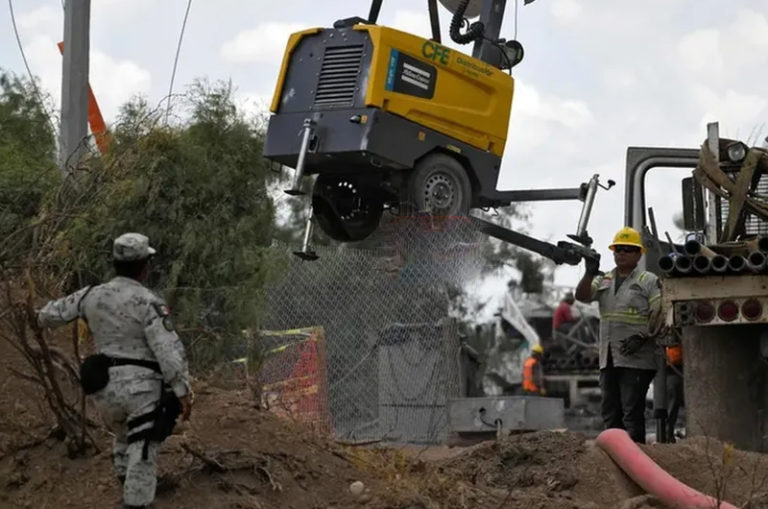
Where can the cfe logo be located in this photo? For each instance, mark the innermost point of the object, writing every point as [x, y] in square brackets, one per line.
[435, 52]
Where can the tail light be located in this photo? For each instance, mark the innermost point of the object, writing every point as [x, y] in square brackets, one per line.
[705, 312]
[728, 311]
[752, 309]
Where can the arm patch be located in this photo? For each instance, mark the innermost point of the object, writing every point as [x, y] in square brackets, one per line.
[164, 312]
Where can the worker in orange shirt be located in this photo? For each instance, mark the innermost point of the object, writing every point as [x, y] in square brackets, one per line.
[533, 373]
[675, 393]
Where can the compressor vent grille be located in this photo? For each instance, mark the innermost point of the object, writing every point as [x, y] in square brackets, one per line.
[338, 76]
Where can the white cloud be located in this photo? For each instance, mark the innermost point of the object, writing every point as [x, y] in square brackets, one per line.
[264, 44]
[47, 19]
[115, 81]
[732, 109]
[412, 22]
[700, 51]
[45, 62]
[565, 10]
[107, 12]
[616, 78]
[752, 27]
[738, 47]
[529, 102]
[573, 114]
[417, 23]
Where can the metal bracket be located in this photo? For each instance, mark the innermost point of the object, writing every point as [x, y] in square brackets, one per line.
[373, 14]
[434, 20]
[563, 252]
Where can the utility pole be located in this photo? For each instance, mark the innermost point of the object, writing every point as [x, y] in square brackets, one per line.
[74, 84]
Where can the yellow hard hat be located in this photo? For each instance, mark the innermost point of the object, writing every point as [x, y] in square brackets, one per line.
[627, 237]
[538, 349]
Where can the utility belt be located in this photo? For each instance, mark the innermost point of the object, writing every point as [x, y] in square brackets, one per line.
[94, 373]
[94, 376]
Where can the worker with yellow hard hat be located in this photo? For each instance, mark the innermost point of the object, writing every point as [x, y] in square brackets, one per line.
[533, 373]
[629, 300]
[627, 237]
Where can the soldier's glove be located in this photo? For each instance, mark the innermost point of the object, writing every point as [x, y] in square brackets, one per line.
[592, 264]
[632, 344]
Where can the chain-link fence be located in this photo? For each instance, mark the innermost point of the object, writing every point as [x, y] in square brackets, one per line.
[390, 348]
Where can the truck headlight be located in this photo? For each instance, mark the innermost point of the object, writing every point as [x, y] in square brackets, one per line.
[736, 151]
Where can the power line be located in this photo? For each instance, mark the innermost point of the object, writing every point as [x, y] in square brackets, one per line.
[176, 59]
[29, 71]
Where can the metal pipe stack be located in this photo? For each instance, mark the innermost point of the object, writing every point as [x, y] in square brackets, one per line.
[697, 259]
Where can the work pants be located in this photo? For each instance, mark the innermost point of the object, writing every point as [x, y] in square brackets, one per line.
[623, 398]
[675, 398]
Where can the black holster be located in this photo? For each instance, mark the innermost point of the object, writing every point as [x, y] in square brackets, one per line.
[94, 376]
[163, 417]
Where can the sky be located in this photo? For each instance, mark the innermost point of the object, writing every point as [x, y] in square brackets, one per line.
[598, 76]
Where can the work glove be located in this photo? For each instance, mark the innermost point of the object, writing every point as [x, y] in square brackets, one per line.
[632, 344]
[592, 264]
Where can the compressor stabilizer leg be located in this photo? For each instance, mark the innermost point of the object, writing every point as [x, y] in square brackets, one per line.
[309, 127]
[306, 252]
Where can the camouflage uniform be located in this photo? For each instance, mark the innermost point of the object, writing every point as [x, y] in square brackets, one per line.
[127, 320]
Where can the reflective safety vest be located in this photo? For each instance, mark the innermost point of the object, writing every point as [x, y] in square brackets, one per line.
[624, 312]
[529, 383]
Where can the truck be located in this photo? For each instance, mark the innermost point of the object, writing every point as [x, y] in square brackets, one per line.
[714, 280]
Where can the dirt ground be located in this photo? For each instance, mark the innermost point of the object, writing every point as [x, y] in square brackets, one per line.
[233, 455]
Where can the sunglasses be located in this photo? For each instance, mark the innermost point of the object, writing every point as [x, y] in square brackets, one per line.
[626, 249]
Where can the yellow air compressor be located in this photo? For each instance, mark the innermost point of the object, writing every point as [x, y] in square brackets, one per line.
[384, 118]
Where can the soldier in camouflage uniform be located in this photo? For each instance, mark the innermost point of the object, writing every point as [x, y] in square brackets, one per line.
[129, 323]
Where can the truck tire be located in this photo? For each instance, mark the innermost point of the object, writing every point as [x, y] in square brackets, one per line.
[439, 186]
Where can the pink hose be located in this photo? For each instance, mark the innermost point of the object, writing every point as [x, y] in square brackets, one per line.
[650, 476]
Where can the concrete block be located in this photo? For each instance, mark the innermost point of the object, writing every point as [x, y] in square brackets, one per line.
[518, 413]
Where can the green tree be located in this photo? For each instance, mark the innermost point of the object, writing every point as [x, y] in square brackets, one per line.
[198, 189]
[27, 162]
